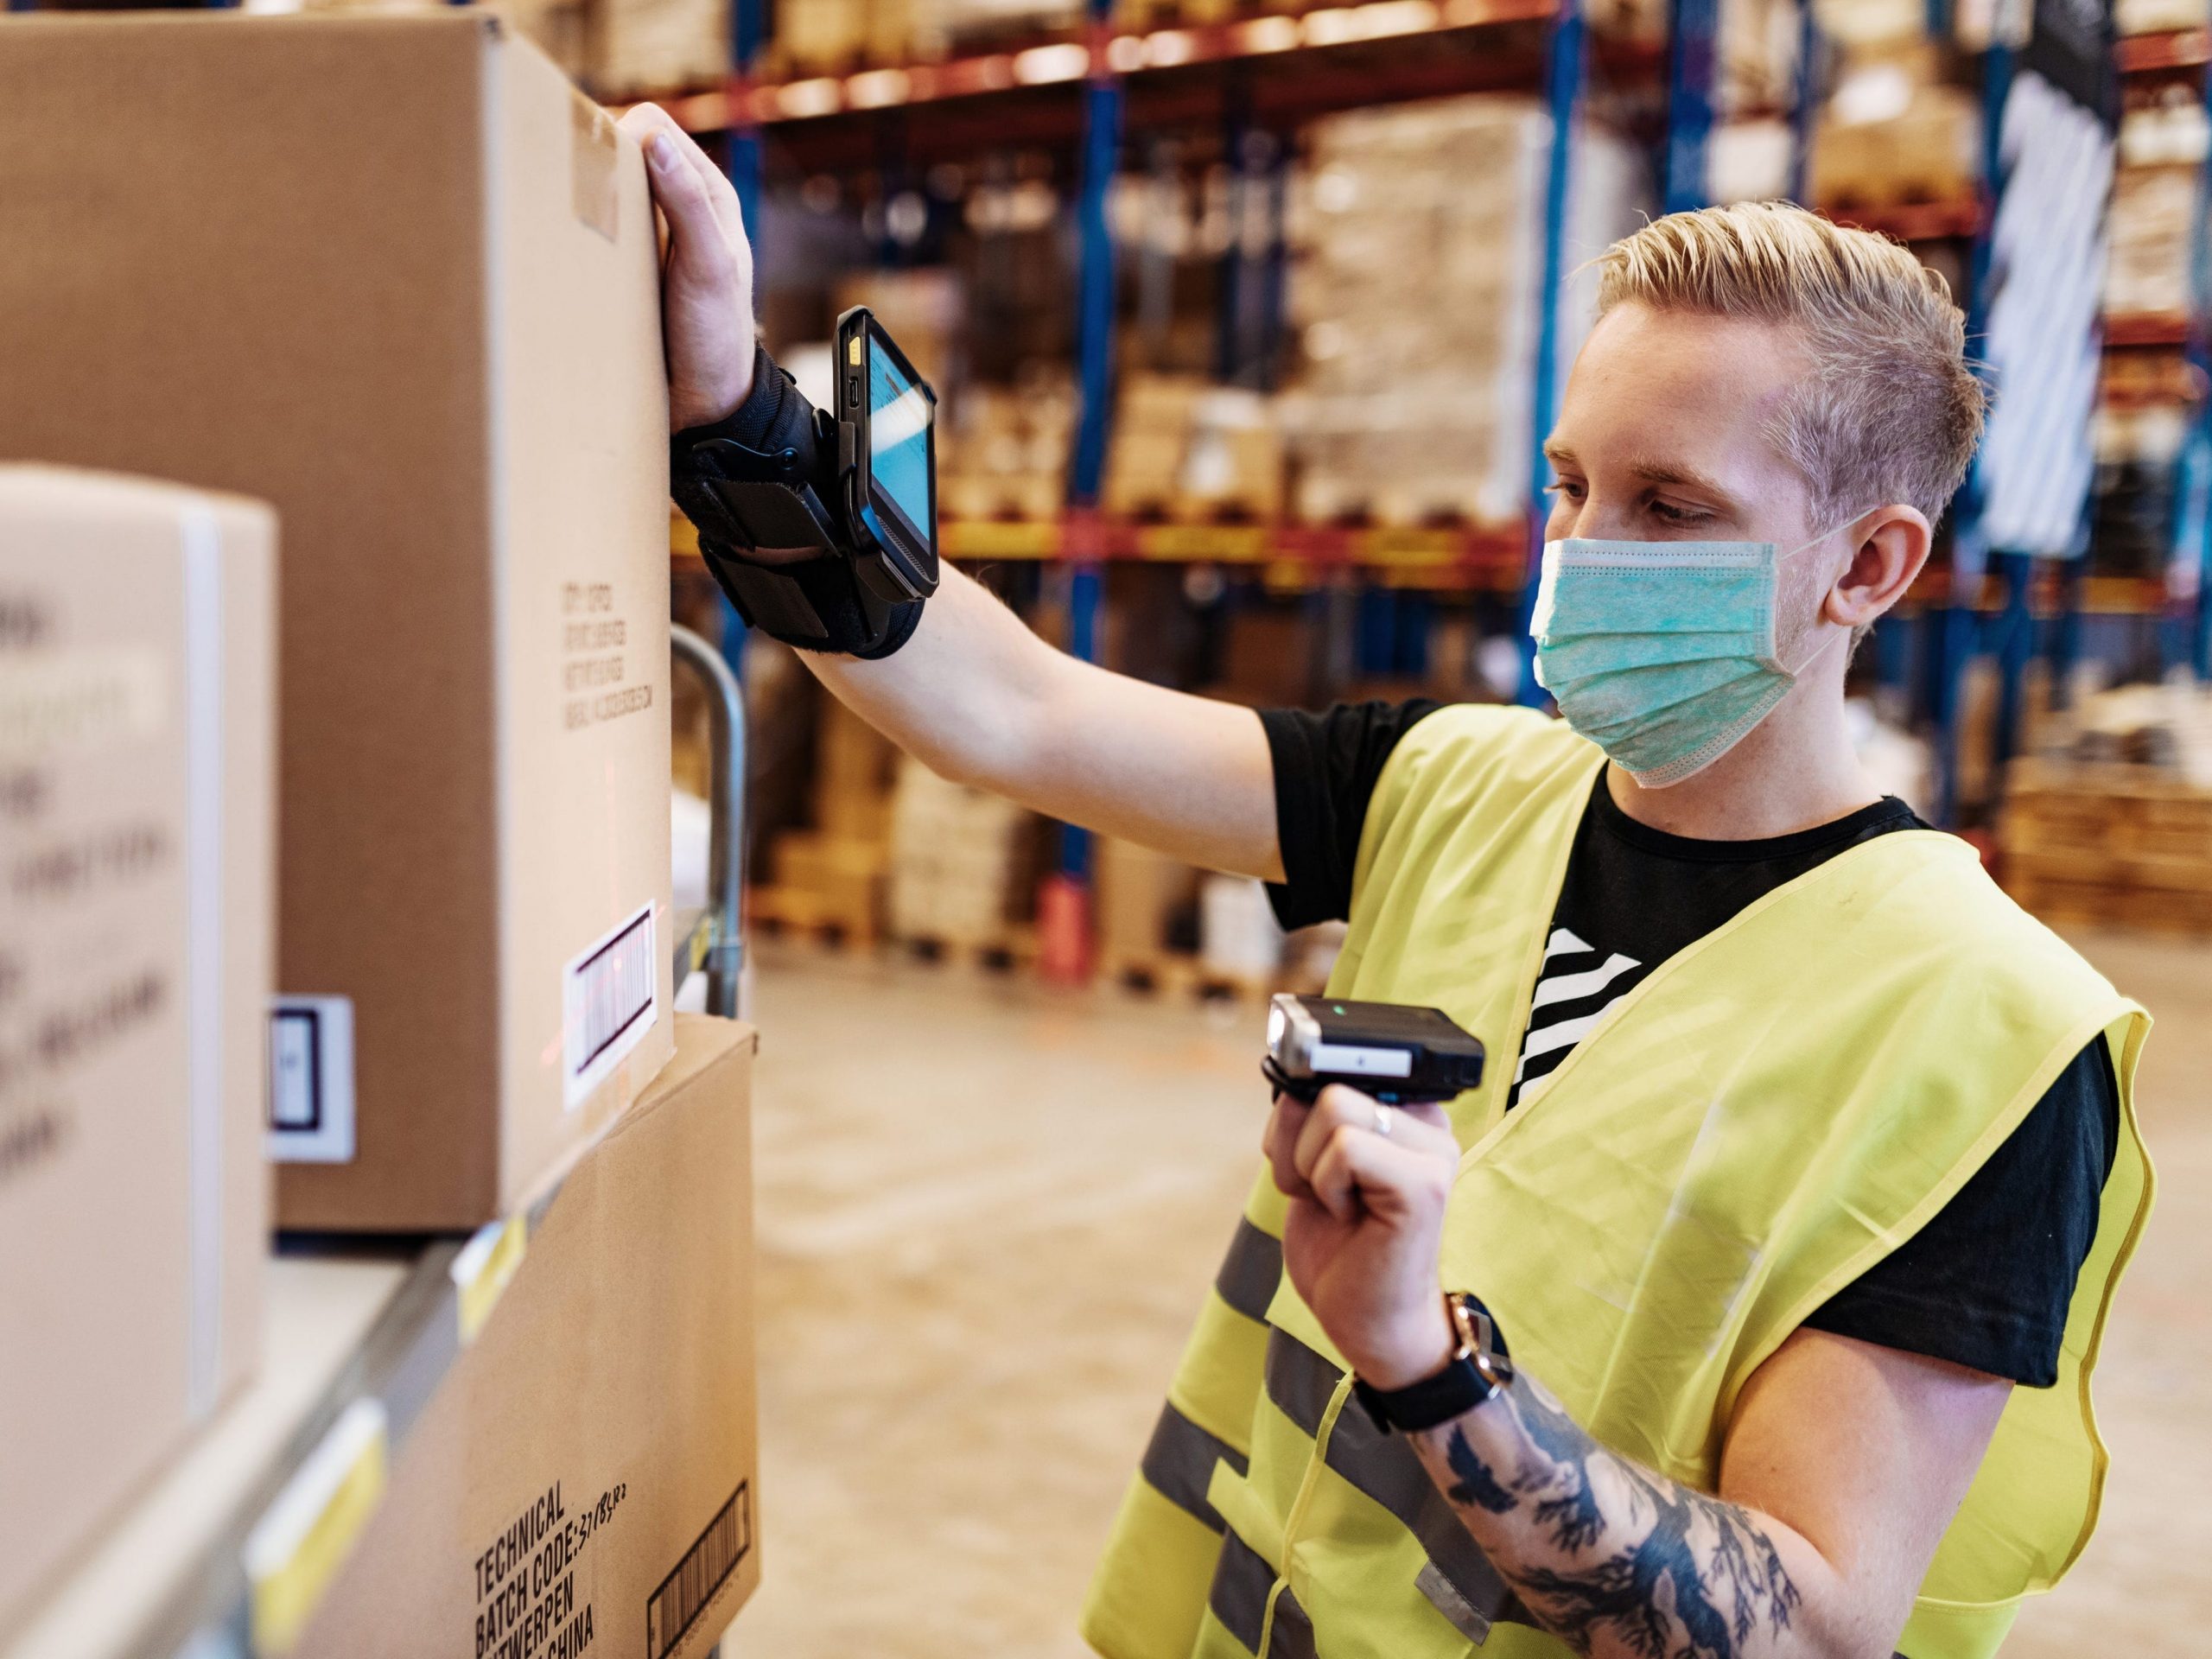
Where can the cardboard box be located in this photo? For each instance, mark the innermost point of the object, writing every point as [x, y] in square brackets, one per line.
[395, 276]
[136, 872]
[1140, 893]
[961, 862]
[588, 1473]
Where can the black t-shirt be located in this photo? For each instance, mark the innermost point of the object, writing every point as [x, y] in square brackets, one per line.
[1986, 1282]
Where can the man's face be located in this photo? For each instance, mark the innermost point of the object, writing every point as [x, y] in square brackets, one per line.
[1661, 435]
[1662, 438]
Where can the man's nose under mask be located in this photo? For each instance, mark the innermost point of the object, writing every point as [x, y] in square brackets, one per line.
[1662, 653]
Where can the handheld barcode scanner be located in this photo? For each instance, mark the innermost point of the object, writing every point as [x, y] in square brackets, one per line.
[1400, 1056]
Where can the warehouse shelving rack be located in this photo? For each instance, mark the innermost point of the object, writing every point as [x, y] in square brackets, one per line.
[1276, 68]
[1286, 66]
[260, 1510]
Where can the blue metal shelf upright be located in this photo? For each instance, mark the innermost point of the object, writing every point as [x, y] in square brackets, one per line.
[1101, 140]
[1956, 628]
[1565, 73]
[1692, 56]
[742, 160]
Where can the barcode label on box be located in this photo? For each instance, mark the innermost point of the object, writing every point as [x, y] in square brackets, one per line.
[611, 998]
[311, 1079]
[706, 1567]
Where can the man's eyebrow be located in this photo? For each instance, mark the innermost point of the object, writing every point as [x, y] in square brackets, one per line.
[1661, 472]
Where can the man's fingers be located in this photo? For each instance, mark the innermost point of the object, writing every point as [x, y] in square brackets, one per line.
[1280, 1145]
[667, 145]
[1343, 1168]
[1336, 1108]
[1431, 1114]
[721, 194]
[682, 194]
[1422, 1129]
[1357, 1169]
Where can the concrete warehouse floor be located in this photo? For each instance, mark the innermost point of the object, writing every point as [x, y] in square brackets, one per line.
[987, 1214]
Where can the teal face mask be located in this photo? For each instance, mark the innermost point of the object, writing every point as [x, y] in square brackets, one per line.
[1662, 653]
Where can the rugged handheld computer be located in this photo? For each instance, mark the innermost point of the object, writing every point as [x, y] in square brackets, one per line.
[891, 481]
[821, 524]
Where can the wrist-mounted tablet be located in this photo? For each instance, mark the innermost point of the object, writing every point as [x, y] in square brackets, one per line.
[822, 527]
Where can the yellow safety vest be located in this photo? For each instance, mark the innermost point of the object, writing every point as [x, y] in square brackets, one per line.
[1769, 1113]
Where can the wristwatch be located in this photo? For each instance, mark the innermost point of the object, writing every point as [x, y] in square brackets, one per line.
[1478, 1370]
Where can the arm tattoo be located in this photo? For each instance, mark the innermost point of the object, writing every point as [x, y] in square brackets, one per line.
[1475, 1484]
[1634, 1561]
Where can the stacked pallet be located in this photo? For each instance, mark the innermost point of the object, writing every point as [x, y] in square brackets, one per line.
[2150, 223]
[1144, 914]
[1151, 436]
[1166, 928]
[1184, 449]
[644, 47]
[1003, 453]
[961, 864]
[1418, 233]
[832, 878]
[1895, 130]
[2109, 845]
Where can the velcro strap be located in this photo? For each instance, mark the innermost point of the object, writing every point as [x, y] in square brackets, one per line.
[814, 604]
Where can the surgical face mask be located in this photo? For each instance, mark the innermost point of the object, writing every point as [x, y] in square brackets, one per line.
[1663, 653]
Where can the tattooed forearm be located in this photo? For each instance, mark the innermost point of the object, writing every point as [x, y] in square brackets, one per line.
[1609, 1556]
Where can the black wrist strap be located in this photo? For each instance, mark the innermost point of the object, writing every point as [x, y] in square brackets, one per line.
[817, 603]
[774, 407]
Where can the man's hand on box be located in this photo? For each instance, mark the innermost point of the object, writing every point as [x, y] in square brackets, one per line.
[1365, 1226]
[706, 273]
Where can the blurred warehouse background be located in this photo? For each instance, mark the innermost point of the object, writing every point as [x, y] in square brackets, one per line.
[1246, 318]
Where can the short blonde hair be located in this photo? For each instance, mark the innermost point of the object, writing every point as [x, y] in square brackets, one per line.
[1890, 412]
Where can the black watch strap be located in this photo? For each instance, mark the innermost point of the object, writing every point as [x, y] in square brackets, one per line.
[1468, 1379]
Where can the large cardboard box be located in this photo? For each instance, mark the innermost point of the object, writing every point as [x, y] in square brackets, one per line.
[394, 275]
[136, 869]
[586, 1479]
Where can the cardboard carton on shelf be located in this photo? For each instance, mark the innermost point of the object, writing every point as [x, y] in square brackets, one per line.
[961, 861]
[1415, 231]
[429, 334]
[1928, 152]
[586, 1477]
[853, 765]
[1142, 894]
[644, 47]
[137, 866]
[560, 29]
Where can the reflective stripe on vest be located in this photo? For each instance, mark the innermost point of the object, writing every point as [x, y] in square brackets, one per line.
[1250, 1271]
[1459, 1580]
[1241, 1583]
[1179, 1463]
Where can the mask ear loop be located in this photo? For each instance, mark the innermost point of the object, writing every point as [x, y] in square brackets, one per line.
[1821, 651]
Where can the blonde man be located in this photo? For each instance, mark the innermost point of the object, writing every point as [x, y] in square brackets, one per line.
[1807, 1164]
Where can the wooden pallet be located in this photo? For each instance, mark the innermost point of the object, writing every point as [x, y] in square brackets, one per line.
[1001, 499]
[2066, 902]
[1169, 976]
[1358, 505]
[788, 912]
[2108, 846]
[1013, 950]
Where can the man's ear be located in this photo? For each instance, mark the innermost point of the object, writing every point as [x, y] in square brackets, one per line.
[1891, 545]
